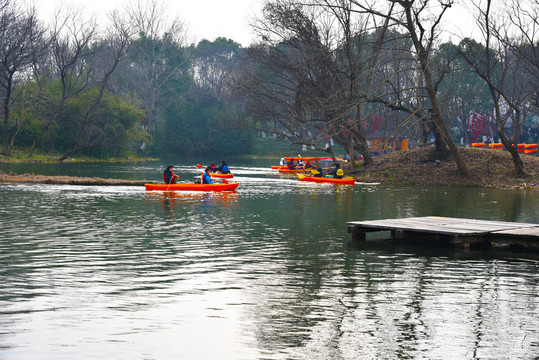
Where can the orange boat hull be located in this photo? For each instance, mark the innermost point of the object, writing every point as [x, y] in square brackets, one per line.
[192, 187]
[326, 180]
[222, 176]
[298, 169]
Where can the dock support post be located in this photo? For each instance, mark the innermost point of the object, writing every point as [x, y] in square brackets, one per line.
[357, 234]
[464, 242]
[462, 246]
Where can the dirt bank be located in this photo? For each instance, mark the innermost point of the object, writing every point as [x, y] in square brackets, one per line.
[487, 168]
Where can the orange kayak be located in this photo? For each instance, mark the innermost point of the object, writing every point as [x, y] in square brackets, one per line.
[192, 187]
[308, 158]
[298, 169]
[219, 175]
[343, 181]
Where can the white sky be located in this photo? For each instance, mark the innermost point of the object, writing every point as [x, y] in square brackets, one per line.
[209, 19]
[206, 19]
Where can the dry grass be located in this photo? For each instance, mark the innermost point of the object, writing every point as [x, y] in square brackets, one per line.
[487, 168]
[66, 180]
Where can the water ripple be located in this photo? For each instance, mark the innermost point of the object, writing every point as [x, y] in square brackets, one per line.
[264, 272]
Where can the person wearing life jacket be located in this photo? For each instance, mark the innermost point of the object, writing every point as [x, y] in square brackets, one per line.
[213, 167]
[336, 173]
[318, 172]
[223, 168]
[168, 175]
[206, 178]
[283, 162]
[291, 165]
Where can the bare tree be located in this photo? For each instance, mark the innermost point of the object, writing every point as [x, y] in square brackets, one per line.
[155, 59]
[290, 81]
[421, 23]
[71, 40]
[316, 75]
[22, 39]
[3, 4]
[106, 57]
[500, 68]
[524, 17]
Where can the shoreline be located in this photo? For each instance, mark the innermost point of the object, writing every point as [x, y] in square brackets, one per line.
[66, 180]
[71, 160]
[487, 169]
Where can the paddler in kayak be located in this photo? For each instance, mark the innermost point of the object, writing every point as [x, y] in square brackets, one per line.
[336, 173]
[223, 168]
[168, 175]
[291, 165]
[318, 172]
[206, 178]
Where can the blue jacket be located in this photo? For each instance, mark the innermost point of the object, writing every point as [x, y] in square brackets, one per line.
[223, 169]
[206, 179]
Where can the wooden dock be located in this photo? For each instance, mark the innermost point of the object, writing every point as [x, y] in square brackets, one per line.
[461, 233]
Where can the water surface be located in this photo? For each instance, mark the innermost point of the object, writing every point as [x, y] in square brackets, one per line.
[267, 272]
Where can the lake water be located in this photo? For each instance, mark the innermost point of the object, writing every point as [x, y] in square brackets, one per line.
[267, 272]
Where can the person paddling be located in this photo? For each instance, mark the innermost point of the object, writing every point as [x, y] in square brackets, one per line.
[291, 165]
[318, 172]
[223, 168]
[206, 178]
[337, 172]
[168, 175]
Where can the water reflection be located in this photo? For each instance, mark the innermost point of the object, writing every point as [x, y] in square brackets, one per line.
[171, 200]
[267, 272]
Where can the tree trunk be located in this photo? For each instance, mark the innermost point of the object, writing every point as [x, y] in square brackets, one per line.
[517, 161]
[66, 155]
[506, 141]
[363, 147]
[329, 149]
[5, 130]
[14, 135]
[351, 151]
[438, 120]
[436, 109]
[38, 136]
[5, 135]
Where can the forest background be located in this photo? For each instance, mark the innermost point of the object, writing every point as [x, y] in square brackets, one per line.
[322, 75]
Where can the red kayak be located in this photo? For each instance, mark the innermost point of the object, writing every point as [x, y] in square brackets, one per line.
[192, 187]
[344, 181]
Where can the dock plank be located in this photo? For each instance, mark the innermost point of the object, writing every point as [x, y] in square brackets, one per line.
[526, 231]
[460, 230]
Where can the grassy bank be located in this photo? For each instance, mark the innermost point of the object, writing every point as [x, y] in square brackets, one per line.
[20, 155]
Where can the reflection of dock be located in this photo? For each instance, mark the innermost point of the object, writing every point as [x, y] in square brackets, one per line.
[458, 232]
